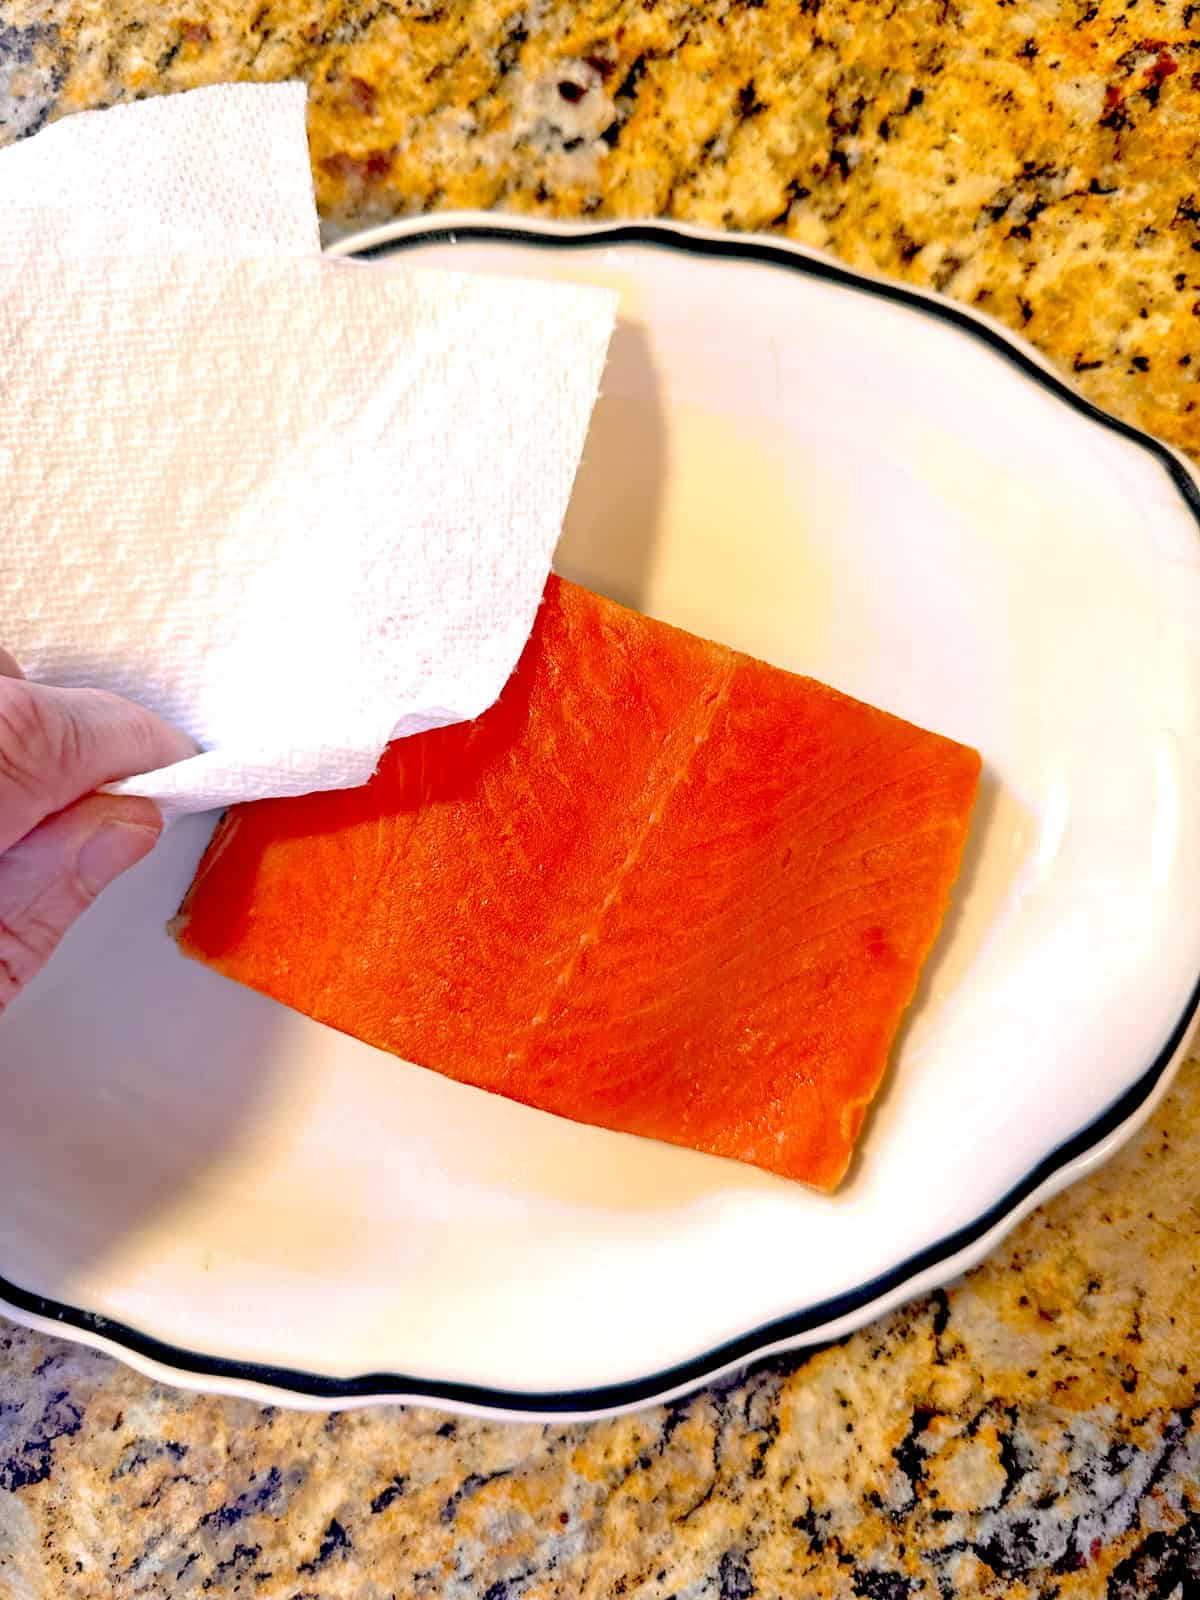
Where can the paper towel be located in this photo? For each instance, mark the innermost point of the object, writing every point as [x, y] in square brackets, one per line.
[220, 171]
[296, 506]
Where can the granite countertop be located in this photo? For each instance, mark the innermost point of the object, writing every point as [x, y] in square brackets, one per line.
[1033, 1430]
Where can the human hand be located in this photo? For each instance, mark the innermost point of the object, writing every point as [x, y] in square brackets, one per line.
[61, 843]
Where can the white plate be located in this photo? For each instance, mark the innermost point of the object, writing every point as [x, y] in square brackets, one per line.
[849, 479]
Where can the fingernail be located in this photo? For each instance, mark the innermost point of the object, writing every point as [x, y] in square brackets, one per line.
[112, 850]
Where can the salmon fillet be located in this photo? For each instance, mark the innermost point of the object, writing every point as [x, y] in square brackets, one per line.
[660, 887]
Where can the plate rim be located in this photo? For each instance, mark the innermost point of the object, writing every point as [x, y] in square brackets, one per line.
[838, 1315]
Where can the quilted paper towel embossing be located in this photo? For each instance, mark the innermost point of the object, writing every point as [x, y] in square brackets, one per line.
[295, 505]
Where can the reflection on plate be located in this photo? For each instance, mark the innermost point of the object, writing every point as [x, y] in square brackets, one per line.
[854, 481]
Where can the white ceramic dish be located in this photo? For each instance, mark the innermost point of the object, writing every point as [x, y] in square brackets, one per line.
[853, 480]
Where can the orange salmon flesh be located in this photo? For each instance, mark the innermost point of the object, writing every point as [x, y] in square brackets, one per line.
[659, 887]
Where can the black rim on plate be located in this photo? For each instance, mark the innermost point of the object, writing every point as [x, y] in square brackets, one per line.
[789, 1330]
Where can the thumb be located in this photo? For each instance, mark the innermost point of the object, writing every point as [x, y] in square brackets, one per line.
[56, 871]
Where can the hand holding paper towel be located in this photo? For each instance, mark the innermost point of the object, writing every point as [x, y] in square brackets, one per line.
[296, 506]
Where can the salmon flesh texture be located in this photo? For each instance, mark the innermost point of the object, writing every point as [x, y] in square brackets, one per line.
[660, 887]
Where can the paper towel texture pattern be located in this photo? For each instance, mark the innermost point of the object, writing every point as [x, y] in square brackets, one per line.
[223, 171]
[296, 506]
[293, 506]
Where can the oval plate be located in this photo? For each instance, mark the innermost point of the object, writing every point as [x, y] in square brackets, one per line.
[854, 480]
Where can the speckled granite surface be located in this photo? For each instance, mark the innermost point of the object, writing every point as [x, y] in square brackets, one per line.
[1034, 1431]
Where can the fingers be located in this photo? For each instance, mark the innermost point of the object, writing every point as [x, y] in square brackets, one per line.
[60, 843]
[57, 870]
[59, 744]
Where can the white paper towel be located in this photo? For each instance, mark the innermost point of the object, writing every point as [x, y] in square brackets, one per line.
[219, 171]
[295, 506]
[292, 506]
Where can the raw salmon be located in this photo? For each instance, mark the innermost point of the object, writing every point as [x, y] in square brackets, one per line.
[660, 887]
